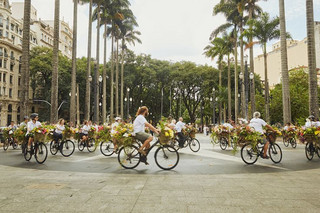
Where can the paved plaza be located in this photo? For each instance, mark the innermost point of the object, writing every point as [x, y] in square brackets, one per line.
[211, 180]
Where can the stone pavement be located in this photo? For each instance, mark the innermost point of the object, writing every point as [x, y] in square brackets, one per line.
[38, 190]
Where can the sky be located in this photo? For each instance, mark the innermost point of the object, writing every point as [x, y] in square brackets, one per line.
[174, 30]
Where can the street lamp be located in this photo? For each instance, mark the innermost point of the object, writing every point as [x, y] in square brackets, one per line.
[96, 93]
[246, 84]
[252, 92]
[141, 102]
[127, 98]
[243, 98]
[213, 99]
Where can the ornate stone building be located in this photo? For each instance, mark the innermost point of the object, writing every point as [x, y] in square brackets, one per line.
[41, 34]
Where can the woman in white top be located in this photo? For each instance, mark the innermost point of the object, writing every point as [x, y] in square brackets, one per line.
[139, 126]
[257, 123]
[57, 134]
[34, 123]
[84, 131]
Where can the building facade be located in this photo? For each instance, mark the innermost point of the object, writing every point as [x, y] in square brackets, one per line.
[297, 57]
[11, 31]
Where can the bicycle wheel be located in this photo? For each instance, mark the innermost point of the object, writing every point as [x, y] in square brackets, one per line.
[6, 144]
[318, 151]
[107, 148]
[67, 148]
[309, 151]
[80, 145]
[249, 154]
[293, 143]
[166, 157]
[194, 145]
[129, 157]
[275, 153]
[286, 142]
[27, 154]
[91, 145]
[54, 147]
[223, 143]
[41, 153]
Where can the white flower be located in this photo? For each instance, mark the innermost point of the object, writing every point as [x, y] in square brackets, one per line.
[126, 135]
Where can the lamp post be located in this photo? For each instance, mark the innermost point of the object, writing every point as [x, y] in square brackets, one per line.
[100, 96]
[130, 101]
[141, 102]
[246, 85]
[128, 90]
[252, 93]
[243, 98]
[214, 106]
[95, 93]
[161, 108]
[88, 104]
[239, 102]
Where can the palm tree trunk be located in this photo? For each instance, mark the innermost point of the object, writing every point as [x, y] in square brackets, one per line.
[229, 89]
[313, 93]
[117, 78]
[220, 87]
[88, 88]
[55, 61]
[112, 80]
[104, 78]
[25, 60]
[284, 66]
[266, 91]
[224, 112]
[96, 71]
[74, 65]
[252, 91]
[122, 79]
[235, 76]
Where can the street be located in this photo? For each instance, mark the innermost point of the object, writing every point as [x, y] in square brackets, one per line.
[211, 180]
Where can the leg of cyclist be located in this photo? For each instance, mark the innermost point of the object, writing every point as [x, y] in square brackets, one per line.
[181, 139]
[265, 149]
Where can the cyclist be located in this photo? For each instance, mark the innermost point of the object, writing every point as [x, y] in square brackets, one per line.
[113, 130]
[139, 125]
[25, 121]
[57, 134]
[84, 131]
[311, 122]
[257, 123]
[179, 126]
[34, 123]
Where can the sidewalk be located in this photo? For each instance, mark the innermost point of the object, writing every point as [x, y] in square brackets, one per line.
[27, 190]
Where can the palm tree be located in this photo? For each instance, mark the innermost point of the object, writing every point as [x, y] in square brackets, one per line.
[284, 66]
[88, 73]
[25, 58]
[74, 64]
[264, 30]
[216, 49]
[313, 93]
[253, 10]
[229, 8]
[55, 60]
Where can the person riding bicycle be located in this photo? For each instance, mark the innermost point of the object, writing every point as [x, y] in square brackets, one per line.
[57, 134]
[179, 126]
[311, 122]
[113, 131]
[257, 123]
[84, 131]
[34, 123]
[139, 125]
[25, 121]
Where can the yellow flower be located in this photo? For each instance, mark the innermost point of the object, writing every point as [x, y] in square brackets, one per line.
[166, 134]
[317, 132]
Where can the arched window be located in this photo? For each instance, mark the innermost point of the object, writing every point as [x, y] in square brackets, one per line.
[9, 108]
[18, 109]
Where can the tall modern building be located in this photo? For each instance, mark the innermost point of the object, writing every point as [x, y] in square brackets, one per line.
[11, 30]
[297, 57]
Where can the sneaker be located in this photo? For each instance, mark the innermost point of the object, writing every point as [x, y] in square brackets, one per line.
[266, 157]
[144, 160]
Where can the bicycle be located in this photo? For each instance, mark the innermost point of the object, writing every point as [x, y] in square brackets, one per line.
[311, 148]
[66, 147]
[250, 153]
[192, 142]
[89, 143]
[39, 150]
[289, 139]
[10, 142]
[166, 156]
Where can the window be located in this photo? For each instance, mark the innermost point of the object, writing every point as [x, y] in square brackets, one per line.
[7, 34]
[0, 77]
[12, 27]
[1, 33]
[4, 77]
[5, 64]
[11, 79]
[10, 93]
[7, 24]
[11, 66]
[1, 21]
[13, 38]
[20, 32]
[19, 94]
[4, 91]
[19, 81]
[0, 62]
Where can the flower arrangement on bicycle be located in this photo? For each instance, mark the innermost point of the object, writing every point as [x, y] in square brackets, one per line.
[166, 134]
[123, 134]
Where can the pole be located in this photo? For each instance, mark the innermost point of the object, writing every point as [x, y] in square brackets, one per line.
[78, 105]
[170, 101]
[214, 107]
[161, 101]
[128, 103]
[246, 81]
[95, 92]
